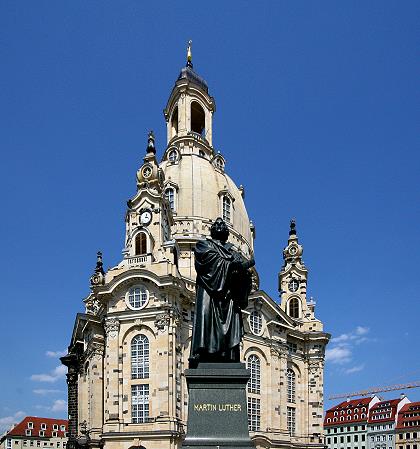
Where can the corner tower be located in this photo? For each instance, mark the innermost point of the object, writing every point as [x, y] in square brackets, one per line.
[293, 279]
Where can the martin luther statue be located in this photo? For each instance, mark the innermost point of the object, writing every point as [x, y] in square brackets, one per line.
[222, 288]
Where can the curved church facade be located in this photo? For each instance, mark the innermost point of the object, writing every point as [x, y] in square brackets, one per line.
[130, 347]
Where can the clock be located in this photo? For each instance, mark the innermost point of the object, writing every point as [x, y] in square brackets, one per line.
[293, 285]
[145, 217]
[293, 250]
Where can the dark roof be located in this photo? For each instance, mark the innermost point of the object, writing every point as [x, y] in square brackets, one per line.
[189, 74]
[19, 429]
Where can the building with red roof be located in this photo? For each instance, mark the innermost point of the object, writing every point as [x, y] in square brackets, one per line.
[346, 424]
[382, 422]
[37, 433]
[408, 427]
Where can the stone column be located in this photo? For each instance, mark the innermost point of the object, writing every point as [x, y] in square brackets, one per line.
[72, 363]
[111, 381]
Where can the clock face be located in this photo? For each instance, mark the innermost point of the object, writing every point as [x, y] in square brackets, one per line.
[293, 285]
[146, 217]
[293, 250]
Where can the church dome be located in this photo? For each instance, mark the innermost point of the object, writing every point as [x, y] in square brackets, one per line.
[201, 191]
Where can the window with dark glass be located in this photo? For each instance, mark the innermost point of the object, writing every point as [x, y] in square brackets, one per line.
[140, 244]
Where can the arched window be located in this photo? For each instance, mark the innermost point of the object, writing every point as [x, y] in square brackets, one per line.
[198, 119]
[348, 418]
[254, 365]
[356, 417]
[294, 307]
[255, 322]
[173, 156]
[140, 244]
[140, 357]
[226, 208]
[174, 123]
[170, 197]
[291, 386]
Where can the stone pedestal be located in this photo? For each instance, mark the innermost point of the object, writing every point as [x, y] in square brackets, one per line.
[217, 408]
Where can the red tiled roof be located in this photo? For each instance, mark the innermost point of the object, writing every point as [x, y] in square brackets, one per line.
[348, 412]
[409, 416]
[386, 409]
[19, 430]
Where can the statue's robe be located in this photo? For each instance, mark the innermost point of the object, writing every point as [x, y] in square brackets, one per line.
[222, 289]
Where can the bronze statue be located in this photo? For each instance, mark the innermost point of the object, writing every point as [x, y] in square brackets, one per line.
[222, 288]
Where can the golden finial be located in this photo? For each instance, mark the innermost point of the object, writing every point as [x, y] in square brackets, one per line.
[189, 54]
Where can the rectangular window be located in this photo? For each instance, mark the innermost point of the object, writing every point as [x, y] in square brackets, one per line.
[292, 347]
[390, 437]
[139, 403]
[38, 443]
[30, 425]
[291, 420]
[348, 439]
[341, 439]
[355, 428]
[41, 433]
[335, 440]
[400, 436]
[8, 443]
[54, 434]
[363, 437]
[407, 436]
[31, 443]
[254, 414]
[55, 426]
[62, 428]
[356, 438]
[329, 440]
[43, 426]
[25, 442]
[28, 432]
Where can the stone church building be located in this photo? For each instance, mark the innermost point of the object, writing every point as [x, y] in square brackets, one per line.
[130, 347]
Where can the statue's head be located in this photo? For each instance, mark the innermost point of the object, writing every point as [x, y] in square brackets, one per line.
[219, 230]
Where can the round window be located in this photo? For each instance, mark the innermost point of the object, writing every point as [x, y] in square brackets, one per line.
[147, 171]
[173, 156]
[137, 297]
[255, 322]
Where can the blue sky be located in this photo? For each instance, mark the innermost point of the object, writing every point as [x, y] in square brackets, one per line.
[317, 106]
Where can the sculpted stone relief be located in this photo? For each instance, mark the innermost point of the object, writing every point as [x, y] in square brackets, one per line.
[112, 326]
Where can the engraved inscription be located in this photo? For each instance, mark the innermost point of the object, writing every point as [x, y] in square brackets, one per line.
[217, 407]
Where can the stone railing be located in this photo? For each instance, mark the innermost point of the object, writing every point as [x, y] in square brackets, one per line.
[138, 260]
